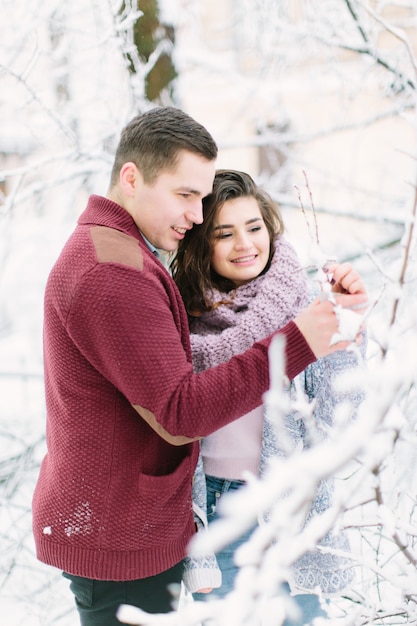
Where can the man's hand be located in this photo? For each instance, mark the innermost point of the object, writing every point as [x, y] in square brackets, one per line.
[319, 323]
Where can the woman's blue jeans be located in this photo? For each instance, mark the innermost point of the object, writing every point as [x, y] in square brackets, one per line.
[308, 604]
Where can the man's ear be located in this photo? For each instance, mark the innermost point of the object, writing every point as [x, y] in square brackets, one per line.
[129, 178]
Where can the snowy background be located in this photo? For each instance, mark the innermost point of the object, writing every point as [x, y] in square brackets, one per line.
[317, 100]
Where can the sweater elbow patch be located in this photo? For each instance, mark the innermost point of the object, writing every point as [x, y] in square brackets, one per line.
[150, 419]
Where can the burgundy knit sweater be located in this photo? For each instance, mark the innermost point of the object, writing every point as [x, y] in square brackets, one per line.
[113, 498]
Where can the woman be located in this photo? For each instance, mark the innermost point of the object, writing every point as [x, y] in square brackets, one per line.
[240, 279]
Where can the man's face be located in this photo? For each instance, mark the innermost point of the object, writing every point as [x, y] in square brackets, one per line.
[165, 209]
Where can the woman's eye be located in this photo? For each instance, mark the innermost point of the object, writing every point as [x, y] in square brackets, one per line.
[255, 229]
[222, 235]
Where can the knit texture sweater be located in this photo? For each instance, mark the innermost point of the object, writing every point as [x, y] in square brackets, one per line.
[113, 497]
[269, 302]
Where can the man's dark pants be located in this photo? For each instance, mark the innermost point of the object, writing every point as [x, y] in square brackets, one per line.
[98, 600]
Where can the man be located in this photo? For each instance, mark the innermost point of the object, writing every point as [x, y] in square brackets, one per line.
[112, 506]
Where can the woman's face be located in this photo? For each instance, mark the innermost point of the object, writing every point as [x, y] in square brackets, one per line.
[241, 244]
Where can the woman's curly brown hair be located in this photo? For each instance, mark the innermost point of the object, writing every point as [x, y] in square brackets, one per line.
[191, 267]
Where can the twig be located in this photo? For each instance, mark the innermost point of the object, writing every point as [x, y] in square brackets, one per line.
[316, 237]
[406, 257]
[379, 60]
[65, 129]
[313, 208]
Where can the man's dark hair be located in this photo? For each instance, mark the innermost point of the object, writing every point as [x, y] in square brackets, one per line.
[153, 140]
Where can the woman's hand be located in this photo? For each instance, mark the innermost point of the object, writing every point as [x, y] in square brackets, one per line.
[344, 279]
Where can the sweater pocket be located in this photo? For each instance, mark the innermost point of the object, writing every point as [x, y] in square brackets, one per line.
[164, 507]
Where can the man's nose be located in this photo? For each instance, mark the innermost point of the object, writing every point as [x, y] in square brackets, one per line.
[194, 213]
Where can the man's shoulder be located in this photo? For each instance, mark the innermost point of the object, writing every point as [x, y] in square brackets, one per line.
[114, 246]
